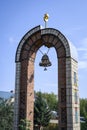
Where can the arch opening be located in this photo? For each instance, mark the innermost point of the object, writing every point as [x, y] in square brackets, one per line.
[46, 82]
[50, 73]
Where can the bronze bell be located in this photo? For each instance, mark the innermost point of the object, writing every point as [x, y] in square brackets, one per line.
[45, 62]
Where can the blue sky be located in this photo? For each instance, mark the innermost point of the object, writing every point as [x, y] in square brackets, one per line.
[19, 16]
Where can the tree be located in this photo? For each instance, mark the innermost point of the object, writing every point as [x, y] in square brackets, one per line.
[51, 99]
[24, 124]
[42, 114]
[83, 113]
[83, 107]
[6, 115]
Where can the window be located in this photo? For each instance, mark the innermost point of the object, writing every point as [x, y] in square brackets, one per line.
[76, 115]
[75, 80]
[76, 96]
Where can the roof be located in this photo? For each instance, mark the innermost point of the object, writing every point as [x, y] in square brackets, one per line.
[73, 50]
[6, 95]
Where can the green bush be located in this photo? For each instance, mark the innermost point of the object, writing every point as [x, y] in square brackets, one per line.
[24, 124]
[51, 127]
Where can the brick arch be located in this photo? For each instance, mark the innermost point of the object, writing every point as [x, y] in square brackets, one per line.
[48, 35]
[25, 57]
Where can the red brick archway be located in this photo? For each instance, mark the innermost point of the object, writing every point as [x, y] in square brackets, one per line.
[25, 57]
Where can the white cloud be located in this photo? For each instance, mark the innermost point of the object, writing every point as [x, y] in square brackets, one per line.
[83, 45]
[85, 41]
[73, 30]
[11, 40]
[82, 52]
[85, 56]
[82, 64]
[82, 49]
[77, 28]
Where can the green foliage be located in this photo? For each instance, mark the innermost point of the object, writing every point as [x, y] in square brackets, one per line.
[51, 127]
[6, 115]
[24, 124]
[42, 112]
[82, 125]
[83, 113]
[83, 107]
[52, 100]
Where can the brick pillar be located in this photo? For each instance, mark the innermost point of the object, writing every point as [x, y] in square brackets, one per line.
[17, 91]
[62, 93]
[30, 94]
[73, 116]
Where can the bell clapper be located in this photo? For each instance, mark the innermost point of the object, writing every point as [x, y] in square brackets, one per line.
[45, 69]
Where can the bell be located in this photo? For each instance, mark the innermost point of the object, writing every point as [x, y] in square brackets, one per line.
[45, 61]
